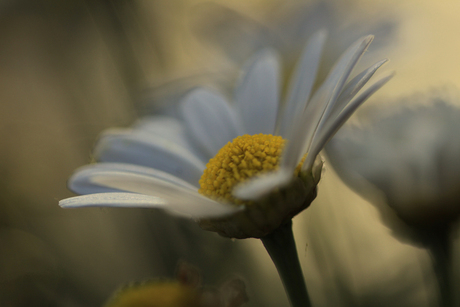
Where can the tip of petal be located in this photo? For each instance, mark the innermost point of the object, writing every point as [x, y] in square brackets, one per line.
[365, 42]
[384, 79]
[321, 33]
[381, 62]
[391, 74]
[266, 52]
[262, 57]
[368, 39]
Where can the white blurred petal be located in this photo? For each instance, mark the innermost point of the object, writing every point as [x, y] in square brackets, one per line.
[137, 183]
[211, 121]
[257, 95]
[168, 128]
[261, 185]
[162, 126]
[151, 151]
[81, 182]
[302, 82]
[353, 87]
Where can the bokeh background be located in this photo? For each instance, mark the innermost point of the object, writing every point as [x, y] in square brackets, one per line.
[69, 70]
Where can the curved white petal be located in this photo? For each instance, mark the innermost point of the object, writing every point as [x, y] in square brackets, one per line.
[169, 128]
[257, 95]
[149, 150]
[173, 205]
[210, 119]
[302, 82]
[262, 185]
[321, 104]
[335, 82]
[81, 181]
[357, 83]
[333, 126]
[353, 87]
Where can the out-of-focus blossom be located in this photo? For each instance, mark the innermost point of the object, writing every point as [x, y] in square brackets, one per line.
[410, 154]
[160, 161]
[230, 35]
[185, 291]
[286, 25]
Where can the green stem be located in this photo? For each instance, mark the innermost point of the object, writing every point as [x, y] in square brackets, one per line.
[438, 244]
[280, 245]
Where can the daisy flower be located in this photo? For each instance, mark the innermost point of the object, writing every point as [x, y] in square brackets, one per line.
[258, 173]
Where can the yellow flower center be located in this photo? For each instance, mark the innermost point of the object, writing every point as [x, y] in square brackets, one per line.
[239, 160]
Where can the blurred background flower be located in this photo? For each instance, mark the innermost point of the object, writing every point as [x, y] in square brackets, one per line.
[284, 26]
[183, 291]
[70, 70]
[410, 153]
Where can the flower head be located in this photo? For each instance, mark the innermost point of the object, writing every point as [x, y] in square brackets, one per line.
[261, 175]
[411, 155]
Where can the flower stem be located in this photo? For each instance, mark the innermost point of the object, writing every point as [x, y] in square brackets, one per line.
[280, 245]
[438, 243]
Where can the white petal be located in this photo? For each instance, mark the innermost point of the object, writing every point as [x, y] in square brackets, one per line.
[151, 151]
[131, 200]
[257, 95]
[81, 182]
[349, 91]
[302, 81]
[176, 196]
[321, 104]
[354, 86]
[338, 76]
[168, 128]
[164, 126]
[113, 200]
[137, 183]
[262, 185]
[210, 119]
[332, 127]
